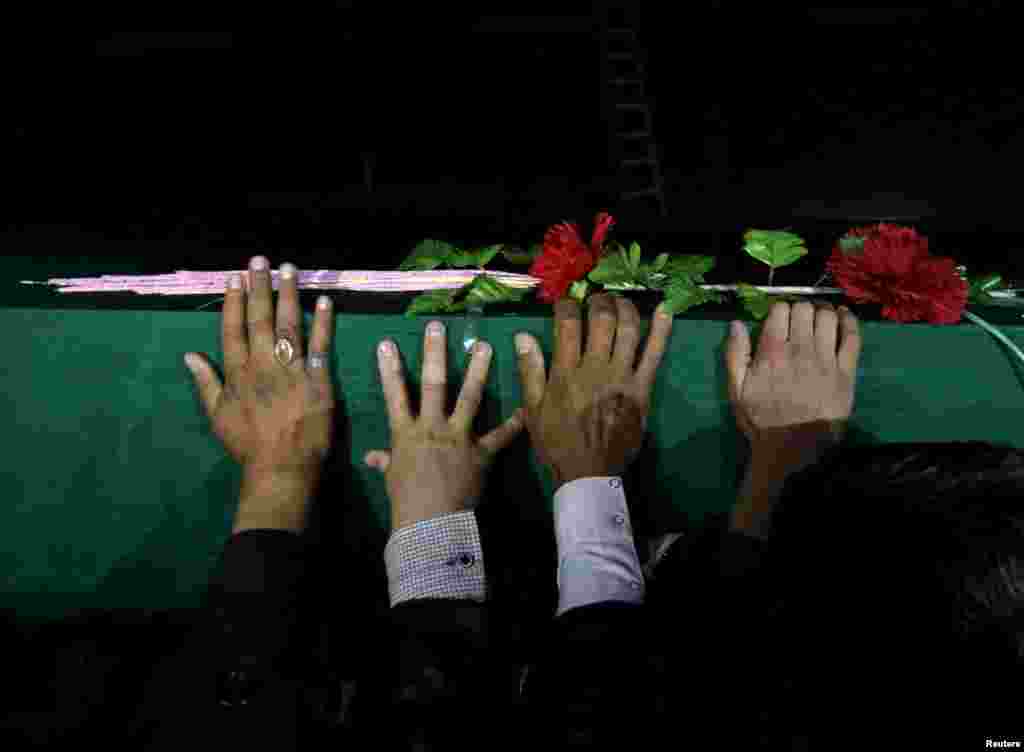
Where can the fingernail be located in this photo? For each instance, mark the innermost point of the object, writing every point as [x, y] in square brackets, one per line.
[258, 263]
[483, 348]
[435, 328]
[287, 270]
[323, 302]
[737, 328]
[385, 348]
[522, 344]
[235, 281]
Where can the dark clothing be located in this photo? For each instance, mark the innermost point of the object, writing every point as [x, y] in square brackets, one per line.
[608, 674]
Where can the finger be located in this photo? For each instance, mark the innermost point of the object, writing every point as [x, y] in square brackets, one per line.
[532, 374]
[603, 318]
[435, 372]
[801, 323]
[472, 388]
[825, 329]
[504, 434]
[393, 382]
[568, 333]
[289, 315]
[849, 350]
[260, 309]
[627, 332]
[235, 343]
[737, 361]
[208, 385]
[378, 459]
[321, 337]
[776, 325]
[657, 342]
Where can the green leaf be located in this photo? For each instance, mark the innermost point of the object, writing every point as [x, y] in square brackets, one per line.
[851, 245]
[659, 263]
[634, 256]
[461, 259]
[578, 290]
[612, 247]
[432, 301]
[759, 303]
[978, 291]
[429, 254]
[485, 289]
[774, 247]
[478, 258]
[611, 269]
[690, 265]
[682, 294]
[520, 257]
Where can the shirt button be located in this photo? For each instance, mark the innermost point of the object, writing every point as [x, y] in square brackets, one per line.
[614, 483]
[467, 560]
[620, 519]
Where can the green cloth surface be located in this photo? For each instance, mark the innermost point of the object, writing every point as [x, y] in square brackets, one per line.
[120, 496]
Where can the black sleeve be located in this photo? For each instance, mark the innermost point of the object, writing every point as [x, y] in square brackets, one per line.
[716, 606]
[594, 684]
[237, 679]
[446, 677]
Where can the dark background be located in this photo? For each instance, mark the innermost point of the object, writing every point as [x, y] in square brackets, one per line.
[205, 147]
[196, 150]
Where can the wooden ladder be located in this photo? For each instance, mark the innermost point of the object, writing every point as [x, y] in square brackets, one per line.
[630, 117]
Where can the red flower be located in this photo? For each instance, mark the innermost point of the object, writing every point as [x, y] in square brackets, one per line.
[565, 259]
[895, 269]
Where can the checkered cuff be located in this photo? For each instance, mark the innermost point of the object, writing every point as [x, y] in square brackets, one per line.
[437, 558]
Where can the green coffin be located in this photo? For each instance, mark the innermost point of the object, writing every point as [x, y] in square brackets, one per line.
[117, 494]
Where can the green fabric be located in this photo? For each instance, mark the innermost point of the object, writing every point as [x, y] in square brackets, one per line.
[119, 496]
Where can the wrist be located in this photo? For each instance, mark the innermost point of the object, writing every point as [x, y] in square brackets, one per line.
[771, 465]
[274, 499]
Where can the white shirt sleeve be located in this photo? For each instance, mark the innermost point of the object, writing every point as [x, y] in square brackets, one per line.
[597, 557]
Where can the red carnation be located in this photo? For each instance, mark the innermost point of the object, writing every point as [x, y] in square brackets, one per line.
[565, 259]
[895, 269]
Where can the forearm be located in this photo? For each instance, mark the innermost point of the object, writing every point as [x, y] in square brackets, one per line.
[771, 465]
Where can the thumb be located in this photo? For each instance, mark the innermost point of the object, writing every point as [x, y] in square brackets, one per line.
[206, 379]
[737, 360]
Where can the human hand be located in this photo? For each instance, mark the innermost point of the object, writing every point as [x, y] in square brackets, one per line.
[797, 385]
[589, 419]
[435, 466]
[273, 419]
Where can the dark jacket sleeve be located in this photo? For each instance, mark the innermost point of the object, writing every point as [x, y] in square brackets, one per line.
[447, 676]
[438, 670]
[716, 604]
[237, 678]
[681, 664]
[593, 685]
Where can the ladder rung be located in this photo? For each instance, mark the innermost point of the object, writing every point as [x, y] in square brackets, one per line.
[630, 135]
[627, 82]
[622, 30]
[652, 191]
[632, 106]
[621, 56]
[637, 162]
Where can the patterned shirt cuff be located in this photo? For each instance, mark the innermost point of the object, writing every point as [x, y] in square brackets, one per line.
[437, 558]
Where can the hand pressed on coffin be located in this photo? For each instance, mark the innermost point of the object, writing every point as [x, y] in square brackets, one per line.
[277, 421]
[435, 466]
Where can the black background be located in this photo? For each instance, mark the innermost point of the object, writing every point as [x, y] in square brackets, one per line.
[202, 146]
